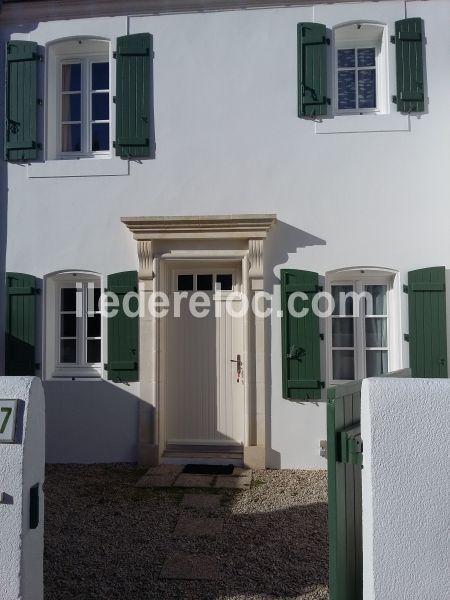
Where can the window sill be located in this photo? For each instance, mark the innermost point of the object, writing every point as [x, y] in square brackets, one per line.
[364, 123]
[83, 167]
[86, 373]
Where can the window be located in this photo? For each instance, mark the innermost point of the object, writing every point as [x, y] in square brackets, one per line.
[79, 85]
[74, 325]
[361, 332]
[205, 282]
[360, 78]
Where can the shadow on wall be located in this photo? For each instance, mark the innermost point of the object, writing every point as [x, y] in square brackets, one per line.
[283, 240]
[86, 419]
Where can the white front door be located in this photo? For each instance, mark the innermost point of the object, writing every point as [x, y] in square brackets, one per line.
[204, 398]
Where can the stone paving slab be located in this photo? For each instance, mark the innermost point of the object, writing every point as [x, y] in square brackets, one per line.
[190, 566]
[198, 526]
[149, 481]
[188, 480]
[230, 482]
[208, 502]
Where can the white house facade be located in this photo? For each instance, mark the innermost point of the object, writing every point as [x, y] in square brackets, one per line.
[237, 156]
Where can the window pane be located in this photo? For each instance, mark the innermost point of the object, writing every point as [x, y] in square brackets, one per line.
[69, 299]
[367, 88]
[94, 326]
[366, 57]
[97, 294]
[346, 90]
[343, 303]
[342, 336]
[343, 365]
[376, 333]
[69, 325]
[100, 107]
[68, 351]
[185, 283]
[204, 282]
[93, 351]
[376, 362]
[346, 58]
[71, 138]
[71, 107]
[71, 78]
[378, 294]
[225, 281]
[100, 137]
[100, 76]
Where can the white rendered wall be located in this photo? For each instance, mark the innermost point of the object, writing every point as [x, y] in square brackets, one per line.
[228, 139]
[22, 466]
[405, 427]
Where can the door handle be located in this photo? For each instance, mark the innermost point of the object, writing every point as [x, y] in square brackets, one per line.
[238, 362]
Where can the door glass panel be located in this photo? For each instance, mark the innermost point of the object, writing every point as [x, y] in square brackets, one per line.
[378, 294]
[69, 325]
[68, 351]
[69, 299]
[224, 281]
[376, 333]
[366, 57]
[367, 88]
[204, 283]
[343, 365]
[343, 303]
[376, 362]
[343, 332]
[185, 283]
[346, 58]
[346, 90]
[93, 351]
[100, 107]
[71, 107]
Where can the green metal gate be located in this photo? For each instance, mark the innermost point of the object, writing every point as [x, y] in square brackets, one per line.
[345, 460]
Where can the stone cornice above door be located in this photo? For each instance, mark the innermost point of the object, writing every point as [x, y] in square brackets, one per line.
[236, 226]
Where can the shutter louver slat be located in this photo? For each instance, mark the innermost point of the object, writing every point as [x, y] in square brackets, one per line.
[312, 70]
[21, 101]
[427, 322]
[409, 62]
[123, 331]
[300, 338]
[133, 117]
[20, 339]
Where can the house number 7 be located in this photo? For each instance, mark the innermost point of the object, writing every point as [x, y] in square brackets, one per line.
[7, 413]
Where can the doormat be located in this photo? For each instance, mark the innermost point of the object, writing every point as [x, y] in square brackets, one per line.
[209, 469]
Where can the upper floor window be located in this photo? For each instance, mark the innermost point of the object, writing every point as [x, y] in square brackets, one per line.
[79, 96]
[360, 77]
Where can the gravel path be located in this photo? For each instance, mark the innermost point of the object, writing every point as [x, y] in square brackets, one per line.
[107, 539]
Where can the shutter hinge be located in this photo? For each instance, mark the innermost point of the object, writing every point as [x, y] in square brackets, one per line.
[405, 289]
[114, 54]
[105, 366]
[114, 144]
[406, 337]
[322, 384]
[39, 102]
[394, 99]
[114, 99]
[326, 41]
[322, 336]
[392, 39]
[37, 366]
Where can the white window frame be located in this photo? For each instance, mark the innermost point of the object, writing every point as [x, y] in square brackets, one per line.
[54, 368]
[359, 278]
[371, 41]
[86, 62]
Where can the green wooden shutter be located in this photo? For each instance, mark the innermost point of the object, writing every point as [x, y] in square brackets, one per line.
[21, 101]
[312, 69]
[20, 338]
[300, 338]
[123, 331]
[409, 58]
[134, 56]
[427, 323]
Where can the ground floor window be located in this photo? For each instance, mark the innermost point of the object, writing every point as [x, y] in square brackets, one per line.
[359, 328]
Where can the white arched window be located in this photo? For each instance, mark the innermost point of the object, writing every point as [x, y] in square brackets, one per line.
[360, 71]
[79, 99]
[362, 333]
[73, 331]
